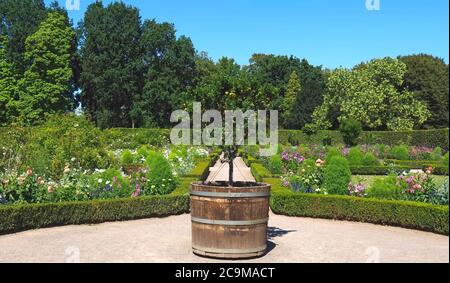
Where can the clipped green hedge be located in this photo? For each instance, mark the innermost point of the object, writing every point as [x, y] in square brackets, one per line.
[429, 138]
[415, 163]
[413, 215]
[383, 170]
[260, 172]
[199, 169]
[121, 138]
[134, 138]
[33, 216]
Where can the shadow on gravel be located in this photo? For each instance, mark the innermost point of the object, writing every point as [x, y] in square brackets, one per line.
[275, 232]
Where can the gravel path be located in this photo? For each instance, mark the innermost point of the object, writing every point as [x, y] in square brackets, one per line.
[168, 240]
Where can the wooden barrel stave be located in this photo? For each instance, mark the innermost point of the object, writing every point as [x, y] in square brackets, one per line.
[229, 222]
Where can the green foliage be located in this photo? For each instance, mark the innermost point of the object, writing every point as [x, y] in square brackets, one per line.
[275, 165]
[445, 160]
[24, 217]
[355, 157]
[400, 152]
[385, 188]
[19, 20]
[427, 77]
[428, 138]
[337, 176]
[350, 130]
[412, 215]
[370, 160]
[8, 83]
[127, 157]
[46, 85]
[372, 94]
[168, 70]
[331, 153]
[383, 170]
[259, 171]
[199, 170]
[271, 75]
[436, 154]
[60, 140]
[161, 180]
[111, 62]
[119, 138]
[143, 151]
[293, 90]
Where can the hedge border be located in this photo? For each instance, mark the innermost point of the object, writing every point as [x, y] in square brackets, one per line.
[429, 138]
[33, 216]
[411, 215]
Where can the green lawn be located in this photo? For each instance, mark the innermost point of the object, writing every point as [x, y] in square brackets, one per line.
[368, 180]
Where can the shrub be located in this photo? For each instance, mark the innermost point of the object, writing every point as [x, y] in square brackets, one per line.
[445, 160]
[385, 188]
[24, 217]
[400, 152]
[370, 160]
[429, 138]
[127, 158]
[275, 165]
[259, 171]
[143, 151]
[160, 178]
[331, 153]
[355, 157]
[62, 139]
[337, 176]
[405, 214]
[350, 130]
[436, 155]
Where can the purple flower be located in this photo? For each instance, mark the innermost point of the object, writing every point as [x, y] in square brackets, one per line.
[345, 151]
[410, 180]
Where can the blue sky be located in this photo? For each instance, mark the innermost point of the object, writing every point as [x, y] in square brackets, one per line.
[331, 33]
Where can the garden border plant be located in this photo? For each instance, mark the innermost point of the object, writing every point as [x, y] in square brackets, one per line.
[406, 214]
[17, 218]
[414, 215]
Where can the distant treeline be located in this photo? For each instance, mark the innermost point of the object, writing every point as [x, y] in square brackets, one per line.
[128, 72]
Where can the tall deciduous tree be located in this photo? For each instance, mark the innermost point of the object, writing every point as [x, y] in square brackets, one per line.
[370, 94]
[111, 63]
[46, 84]
[18, 20]
[273, 73]
[169, 65]
[428, 78]
[292, 92]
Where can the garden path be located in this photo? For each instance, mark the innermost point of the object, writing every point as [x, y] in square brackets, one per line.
[168, 239]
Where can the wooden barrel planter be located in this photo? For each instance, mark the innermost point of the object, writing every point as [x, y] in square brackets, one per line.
[229, 222]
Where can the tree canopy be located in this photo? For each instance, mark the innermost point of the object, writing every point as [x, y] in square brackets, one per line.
[46, 85]
[372, 94]
[428, 78]
[129, 72]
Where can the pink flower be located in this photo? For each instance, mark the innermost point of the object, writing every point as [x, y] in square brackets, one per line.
[137, 192]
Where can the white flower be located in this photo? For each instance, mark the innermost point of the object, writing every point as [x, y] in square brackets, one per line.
[100, 181]
[73, 159]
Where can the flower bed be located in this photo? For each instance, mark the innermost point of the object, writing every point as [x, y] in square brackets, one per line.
[414, 215]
